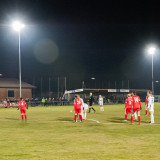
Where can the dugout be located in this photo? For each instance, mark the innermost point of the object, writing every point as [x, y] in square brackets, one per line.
[110, 96]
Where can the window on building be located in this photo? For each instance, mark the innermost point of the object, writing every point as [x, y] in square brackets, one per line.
[11, 93]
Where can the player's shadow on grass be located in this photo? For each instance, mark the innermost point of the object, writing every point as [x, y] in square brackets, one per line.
[65, 119]
[116, 120]
[12, 118]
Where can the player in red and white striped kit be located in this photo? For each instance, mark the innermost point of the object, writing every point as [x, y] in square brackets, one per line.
[77, 108]
[128, 106]
[136, 106]
[22, 107]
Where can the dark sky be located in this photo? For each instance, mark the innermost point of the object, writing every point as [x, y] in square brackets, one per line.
[81, 39]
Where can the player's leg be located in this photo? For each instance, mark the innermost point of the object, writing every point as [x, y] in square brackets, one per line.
[139, 117]
[85, 113]
[151, 114]
[151, 111]
[80, 117]
[82, 112]
[89, 109]
[25, 116]
[135, 115]
[93, 109]
[132, 117]
[75, 117]
[126, 113]
[102, 108]
[24, 112]
[21, 114]
[146, 109]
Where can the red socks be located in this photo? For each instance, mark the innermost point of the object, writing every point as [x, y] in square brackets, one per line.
[131, 119]
[75, 118]
[80, 117]
[146, 111]
[139, 118]
[125, 116]
[22, 117]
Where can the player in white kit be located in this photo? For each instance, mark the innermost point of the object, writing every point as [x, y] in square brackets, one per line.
[84, 108]
[151, 105]
[100, 101]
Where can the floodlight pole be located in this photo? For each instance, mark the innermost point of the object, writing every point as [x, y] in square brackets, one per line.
[152, 77]
[20, 82]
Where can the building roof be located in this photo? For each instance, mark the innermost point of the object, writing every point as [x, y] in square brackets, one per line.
[13, 83]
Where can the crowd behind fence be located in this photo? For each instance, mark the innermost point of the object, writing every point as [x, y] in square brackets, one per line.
[14, 103]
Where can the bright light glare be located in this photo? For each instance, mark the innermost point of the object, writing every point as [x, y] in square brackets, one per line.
[157, 81]
[17, 26]
[93, 78]
[151, 50]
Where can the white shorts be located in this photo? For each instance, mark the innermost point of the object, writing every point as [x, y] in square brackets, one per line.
[85, 106]
[101, 103]
[151, 107]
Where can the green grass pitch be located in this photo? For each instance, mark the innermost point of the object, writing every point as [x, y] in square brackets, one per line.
[50, 134]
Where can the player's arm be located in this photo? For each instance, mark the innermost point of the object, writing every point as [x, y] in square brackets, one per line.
[93, 100]
[26, 105]
[75, 104]
[125, 104]
[146, 102]
[140, 103]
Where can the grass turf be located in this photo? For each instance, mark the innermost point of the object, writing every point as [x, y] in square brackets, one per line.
[50, 134]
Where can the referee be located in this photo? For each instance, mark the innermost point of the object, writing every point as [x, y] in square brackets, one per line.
[91, 101]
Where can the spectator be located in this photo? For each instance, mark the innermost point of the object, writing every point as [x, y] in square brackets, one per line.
[43, 101]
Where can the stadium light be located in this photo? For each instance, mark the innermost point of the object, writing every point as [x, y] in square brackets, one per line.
[18, 26]
[93, 78]
[151, 50]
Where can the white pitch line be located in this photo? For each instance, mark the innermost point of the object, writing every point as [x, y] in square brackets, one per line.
[121, 123]
[112, 123]
[93, 120]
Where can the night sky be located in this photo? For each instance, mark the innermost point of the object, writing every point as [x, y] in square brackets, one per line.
[80, 40]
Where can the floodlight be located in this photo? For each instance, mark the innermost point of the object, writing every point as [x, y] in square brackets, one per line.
[17, 26]
[151, 50]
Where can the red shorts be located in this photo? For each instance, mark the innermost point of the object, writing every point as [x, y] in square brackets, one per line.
[78, 110]
[128, 110]
[136, 109]
[23, 110]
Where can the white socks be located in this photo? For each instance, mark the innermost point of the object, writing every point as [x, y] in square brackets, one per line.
[152, 118]
[101, 108]
[85, 115]
[135, 114]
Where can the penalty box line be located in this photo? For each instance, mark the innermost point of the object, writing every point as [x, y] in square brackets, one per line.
[121, 123]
